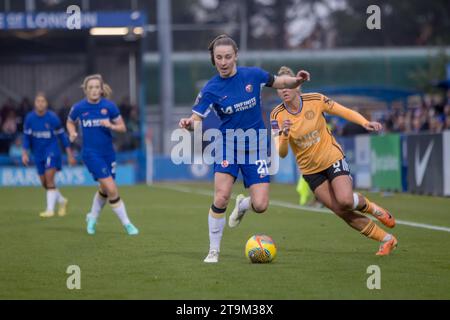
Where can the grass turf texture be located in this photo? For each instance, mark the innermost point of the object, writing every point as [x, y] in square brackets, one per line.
[319, 256]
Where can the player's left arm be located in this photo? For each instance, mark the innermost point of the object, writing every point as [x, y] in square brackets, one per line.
[116, 124]
[334, 108]
[115, 121]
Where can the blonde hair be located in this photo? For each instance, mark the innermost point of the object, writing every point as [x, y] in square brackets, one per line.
[106, 89]
[286, 71]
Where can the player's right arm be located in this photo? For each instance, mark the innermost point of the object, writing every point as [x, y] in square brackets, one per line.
[200, 110]
[191, 122]
[71, 124]
[26, 141]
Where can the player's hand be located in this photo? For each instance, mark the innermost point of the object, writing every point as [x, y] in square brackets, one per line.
[303, 76]
[106, 123]
[373, 126]
[286, 127]
[186, 123]
[72, 161]
[25, 159]
[73, 136]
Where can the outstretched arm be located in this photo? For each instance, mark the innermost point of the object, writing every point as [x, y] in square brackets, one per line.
[285, 81]
[353, 116]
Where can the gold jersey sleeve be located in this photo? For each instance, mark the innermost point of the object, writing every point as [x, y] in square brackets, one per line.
[310, 139]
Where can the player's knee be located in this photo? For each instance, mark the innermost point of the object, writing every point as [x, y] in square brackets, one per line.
[221, 199]
[345, 203]
[112, 192]
[50, 185]
[260, 206]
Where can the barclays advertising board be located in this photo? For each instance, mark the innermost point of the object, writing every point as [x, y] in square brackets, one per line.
[69, 176]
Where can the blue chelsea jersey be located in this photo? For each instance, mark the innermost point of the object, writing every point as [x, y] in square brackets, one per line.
[236, 100]
[41, 133]
[96, 138]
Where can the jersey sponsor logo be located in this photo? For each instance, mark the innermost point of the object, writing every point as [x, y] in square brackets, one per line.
[249, 88]
[42, 134]
[227, 110]
[104, 111]
[89, 123]
[47, 126]
[308, 139]
[84, 114]
[309, 115]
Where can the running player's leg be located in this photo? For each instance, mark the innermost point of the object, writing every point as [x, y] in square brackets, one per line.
[325, 194]
[98, 202]
[342, 191]
[52, 194]
[256, 179]
[55, 164]
[364, 205]
[40, 167]
[118, 206]
[223, 184]
[259, 195]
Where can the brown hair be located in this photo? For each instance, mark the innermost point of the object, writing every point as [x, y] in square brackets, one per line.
[286, 71]
[222, 40]
[106, 89]
[41, 94]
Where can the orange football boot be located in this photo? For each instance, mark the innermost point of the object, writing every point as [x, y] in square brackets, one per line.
[387, 247]
[381, 214]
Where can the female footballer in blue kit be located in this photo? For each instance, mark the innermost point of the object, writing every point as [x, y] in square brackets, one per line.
[98, 116]
[234, 94]
[42, 128]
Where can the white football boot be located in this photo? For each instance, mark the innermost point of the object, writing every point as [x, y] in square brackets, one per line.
[236, 216]
[212, 257]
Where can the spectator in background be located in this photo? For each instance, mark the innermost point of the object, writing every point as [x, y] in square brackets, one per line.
[15, 151]
[9, 124]
[447, 123]
[351, 129]
[125, 107]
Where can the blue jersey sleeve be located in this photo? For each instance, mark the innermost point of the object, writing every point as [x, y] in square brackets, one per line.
[59, 131]
[74, 114]
[203, 104]
[261, 76]
[114, 112]
[27, 133]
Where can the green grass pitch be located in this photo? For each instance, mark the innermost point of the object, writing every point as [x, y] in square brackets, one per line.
[319, 256]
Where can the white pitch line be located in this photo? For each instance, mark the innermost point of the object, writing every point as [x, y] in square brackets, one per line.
[298, 207]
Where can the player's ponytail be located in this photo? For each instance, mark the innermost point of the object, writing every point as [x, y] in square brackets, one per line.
[222, 40]
[106, 89]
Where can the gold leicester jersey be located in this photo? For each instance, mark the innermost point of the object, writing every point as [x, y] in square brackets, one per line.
[313, 145]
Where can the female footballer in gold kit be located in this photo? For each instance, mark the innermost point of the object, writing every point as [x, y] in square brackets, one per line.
[299, 122]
